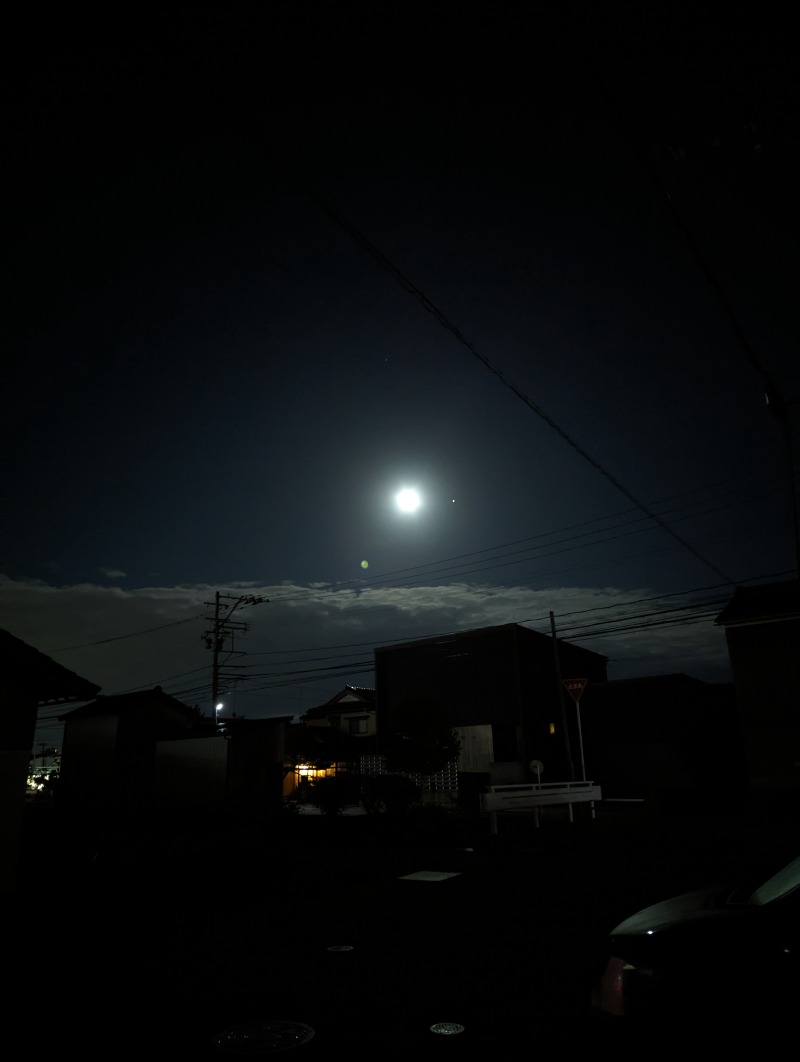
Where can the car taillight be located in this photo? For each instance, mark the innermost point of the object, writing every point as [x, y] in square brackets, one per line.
[623, 989]
[608, 995]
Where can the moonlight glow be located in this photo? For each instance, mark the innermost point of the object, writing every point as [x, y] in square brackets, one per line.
[408, 500]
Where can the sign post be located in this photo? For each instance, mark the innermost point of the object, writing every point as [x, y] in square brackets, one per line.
[575, 688]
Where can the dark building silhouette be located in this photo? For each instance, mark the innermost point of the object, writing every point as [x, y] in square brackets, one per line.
[234, 767]
[762, 631]
[109, 745]
[670, 740]
[502, 691]
[29, 680]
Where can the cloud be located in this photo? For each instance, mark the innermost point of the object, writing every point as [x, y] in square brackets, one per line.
[113, 573]
[303, 643]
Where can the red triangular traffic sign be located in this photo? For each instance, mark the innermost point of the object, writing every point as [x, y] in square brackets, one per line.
[575, 687]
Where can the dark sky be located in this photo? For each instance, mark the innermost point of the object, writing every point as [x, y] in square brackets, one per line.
[269, 265]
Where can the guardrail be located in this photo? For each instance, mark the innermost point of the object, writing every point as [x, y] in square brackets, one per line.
[536, 795]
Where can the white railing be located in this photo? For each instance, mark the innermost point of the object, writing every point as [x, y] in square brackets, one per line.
[536, 795]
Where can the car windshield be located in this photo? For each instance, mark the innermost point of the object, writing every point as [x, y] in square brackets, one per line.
[781, 884]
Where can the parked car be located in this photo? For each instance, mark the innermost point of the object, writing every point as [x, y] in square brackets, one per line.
[721, 962]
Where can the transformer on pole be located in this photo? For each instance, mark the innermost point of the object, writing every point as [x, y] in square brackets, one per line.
[220, 637]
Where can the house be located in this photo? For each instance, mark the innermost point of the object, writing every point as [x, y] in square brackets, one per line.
[502, 693]
[108, 753]
[331, 738]
[352, 711]
[29, 680]
[762, 632]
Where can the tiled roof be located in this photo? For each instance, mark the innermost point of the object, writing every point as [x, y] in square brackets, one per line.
[351, 698]
[31, 674]
[126, 703]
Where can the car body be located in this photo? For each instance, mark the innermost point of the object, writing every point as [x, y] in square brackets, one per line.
[724, 959]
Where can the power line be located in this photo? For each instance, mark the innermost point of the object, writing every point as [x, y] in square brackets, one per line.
[776, 401]
[433, 570]
[649, 619]
[438, 572]
[412, 289]
[630, 623]
[645, 621]
[131, 634]
[308, 672]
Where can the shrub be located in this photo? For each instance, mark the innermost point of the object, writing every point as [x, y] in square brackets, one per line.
[331, 794]
[389, 794]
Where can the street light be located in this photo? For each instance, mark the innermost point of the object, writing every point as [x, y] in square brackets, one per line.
[220, 706]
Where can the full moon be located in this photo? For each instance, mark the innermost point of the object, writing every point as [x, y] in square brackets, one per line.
[408, 500]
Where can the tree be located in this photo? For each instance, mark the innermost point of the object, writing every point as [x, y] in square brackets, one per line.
[331, 793]
[419, 738]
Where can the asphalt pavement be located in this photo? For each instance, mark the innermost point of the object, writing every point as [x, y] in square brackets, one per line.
[352, 933]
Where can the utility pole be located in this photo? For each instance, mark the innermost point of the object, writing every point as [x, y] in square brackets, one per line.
[223, 629]
[561, 702]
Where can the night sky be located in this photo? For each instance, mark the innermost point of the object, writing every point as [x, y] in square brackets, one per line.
[268, 266]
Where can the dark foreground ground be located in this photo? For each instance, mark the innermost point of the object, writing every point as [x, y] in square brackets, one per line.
[345, 931]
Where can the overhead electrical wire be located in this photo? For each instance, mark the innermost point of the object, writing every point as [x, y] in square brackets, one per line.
[439, 572]
[659, 619]
[412, 289]
[778, 403]
[433, 569]
[639, 622]
[130, 634]
[630, 623]
[435, 573]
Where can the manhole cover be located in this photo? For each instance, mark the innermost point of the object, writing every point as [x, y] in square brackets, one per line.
[447, 1028]
[431, 875]
[263, 1037]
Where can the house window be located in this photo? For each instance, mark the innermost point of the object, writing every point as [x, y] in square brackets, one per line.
[357, 726]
